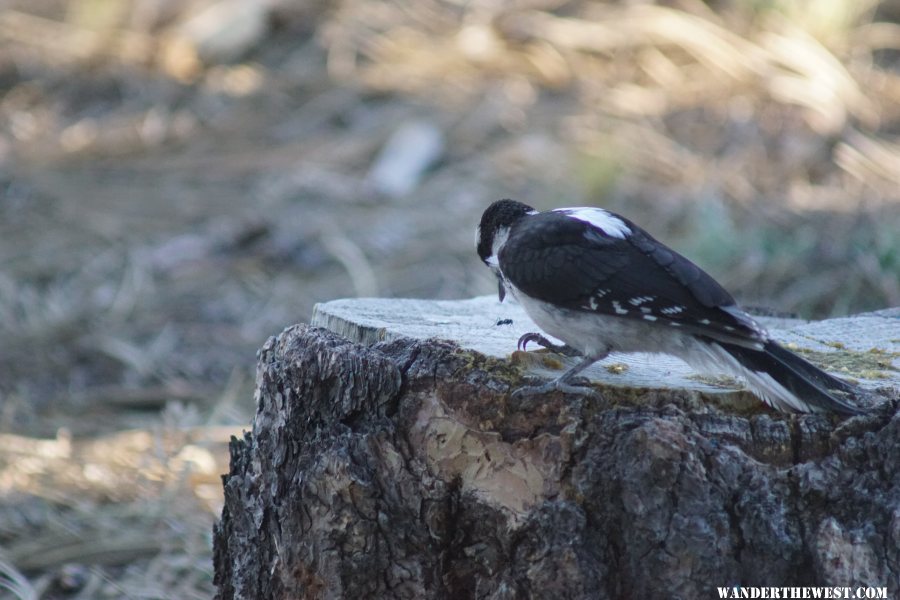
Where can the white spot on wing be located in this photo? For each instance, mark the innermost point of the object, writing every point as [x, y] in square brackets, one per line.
[640, 300]
[672, 310]
[649, 317]
[746, 320]
[618, 308]
[605, 221]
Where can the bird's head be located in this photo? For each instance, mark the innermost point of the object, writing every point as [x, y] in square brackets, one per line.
[494, 228]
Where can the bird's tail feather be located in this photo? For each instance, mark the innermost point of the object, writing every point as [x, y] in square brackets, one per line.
[787, 382]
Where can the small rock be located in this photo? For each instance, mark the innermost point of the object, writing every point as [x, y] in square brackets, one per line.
[220, 32]
[406, 156]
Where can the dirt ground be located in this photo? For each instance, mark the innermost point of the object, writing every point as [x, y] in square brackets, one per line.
[179, 181]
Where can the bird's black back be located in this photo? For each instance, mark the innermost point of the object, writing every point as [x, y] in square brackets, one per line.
[572, 264]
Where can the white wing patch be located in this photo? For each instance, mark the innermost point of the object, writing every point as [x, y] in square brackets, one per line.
[605, 221]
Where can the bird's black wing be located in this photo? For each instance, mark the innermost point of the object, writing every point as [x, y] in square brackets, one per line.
[573, 264]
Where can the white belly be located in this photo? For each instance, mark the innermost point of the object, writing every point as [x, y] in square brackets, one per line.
[595, 334]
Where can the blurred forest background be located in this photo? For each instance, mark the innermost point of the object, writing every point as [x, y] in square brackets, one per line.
[181, 180]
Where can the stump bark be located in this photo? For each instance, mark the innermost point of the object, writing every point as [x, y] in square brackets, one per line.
[403, 469]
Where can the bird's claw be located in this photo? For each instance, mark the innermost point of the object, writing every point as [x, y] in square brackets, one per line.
[537, 338]
[540, 340]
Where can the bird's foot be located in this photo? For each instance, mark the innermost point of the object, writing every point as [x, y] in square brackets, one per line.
[582, 388]
[540, 340]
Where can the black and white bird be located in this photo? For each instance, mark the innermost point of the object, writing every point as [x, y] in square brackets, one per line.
[601, 284]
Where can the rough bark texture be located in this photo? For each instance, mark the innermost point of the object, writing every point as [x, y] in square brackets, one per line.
[404, 469]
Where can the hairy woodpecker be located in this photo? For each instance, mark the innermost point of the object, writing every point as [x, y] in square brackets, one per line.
[601, 284]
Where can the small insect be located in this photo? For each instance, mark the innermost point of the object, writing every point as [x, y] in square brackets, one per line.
[504, 322]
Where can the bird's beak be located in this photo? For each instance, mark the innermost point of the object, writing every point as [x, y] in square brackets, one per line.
[501, 291]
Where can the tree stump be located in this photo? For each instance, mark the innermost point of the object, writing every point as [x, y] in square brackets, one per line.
[395, 465]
